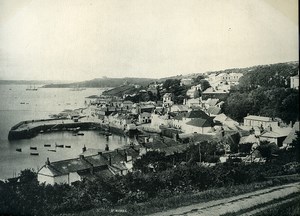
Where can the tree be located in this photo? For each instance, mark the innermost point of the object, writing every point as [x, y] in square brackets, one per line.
[266, 149]
[197, 79]
[204, 84]
[296, 145]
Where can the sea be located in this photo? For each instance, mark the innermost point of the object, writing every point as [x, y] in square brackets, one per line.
[17, 104]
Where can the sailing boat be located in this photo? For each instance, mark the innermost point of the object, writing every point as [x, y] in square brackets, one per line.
[32, 88]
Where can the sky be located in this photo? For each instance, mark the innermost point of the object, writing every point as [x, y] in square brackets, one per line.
[86, 39]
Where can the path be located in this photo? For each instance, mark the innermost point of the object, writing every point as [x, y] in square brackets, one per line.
[234, 204]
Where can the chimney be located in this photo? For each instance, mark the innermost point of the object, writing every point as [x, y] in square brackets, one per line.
[47, 162]
[99, 153]
[106, 147]
[83, 149]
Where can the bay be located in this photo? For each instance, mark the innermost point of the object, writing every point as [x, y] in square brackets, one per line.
[17, 104]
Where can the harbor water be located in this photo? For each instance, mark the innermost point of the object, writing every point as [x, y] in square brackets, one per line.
[17, 105]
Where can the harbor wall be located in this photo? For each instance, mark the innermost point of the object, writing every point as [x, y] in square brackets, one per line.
[27, 133]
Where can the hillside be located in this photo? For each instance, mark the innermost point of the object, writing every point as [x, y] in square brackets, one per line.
[103, 82]
[121, 90]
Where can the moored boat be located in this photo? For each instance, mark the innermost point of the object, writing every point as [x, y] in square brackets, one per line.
[47, 145]
[52, 150]
[59, 146]
[19, 150]
[34, 153]
[33, 148]
[68, 146]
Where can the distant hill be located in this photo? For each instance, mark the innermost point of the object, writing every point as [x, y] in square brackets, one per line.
[103, 82]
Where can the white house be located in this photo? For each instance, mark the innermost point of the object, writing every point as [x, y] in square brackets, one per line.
[193, 121]
[193, 92]
[295, 82]
[144, 117]
[186, 81]
[64, 171]
[260, 121]
[160, 120]
[168, 99]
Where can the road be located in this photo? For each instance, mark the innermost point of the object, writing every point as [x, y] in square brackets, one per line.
[235, 204]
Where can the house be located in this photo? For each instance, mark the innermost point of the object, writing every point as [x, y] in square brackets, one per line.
[193, 92]
[198, 125]
[143, 107]
[120, 120]
[193, 121]
[295, 81]
[226, 121]
[168, 99]
[292, 136]
[214, 93]
[90, 163]
[194, 102]
[213, 111]
[153, 89]
[127, 104]
[116, 102]
[275, 135]
[178, 108]
[260, 121]
[186, 81]
[229, 77]
[144, 117]
[160, 120]
[69, 171]
[249, 139]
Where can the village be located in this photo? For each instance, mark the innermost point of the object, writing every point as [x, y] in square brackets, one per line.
[170, 127]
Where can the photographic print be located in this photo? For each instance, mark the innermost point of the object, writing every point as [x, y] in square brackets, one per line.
[147, 107]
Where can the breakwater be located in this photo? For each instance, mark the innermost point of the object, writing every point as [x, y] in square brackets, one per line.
[29, 129]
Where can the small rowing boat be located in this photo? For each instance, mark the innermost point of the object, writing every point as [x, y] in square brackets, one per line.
[19, 150]
[52, 150]
[34, 153]
[33, 148]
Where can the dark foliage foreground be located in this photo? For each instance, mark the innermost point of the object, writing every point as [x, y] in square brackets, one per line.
[27, 197]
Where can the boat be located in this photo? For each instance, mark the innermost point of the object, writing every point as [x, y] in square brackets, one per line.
[31, 88]
[68, 146]
[34, 153]
[47, 145]
[105, 133]
[19, 150]
[59, 146]
[41, 131]
[22, 103]
[52, 150]
[33, 148]
[80, 134]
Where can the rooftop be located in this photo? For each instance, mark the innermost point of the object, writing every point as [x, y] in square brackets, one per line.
[258, 118]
